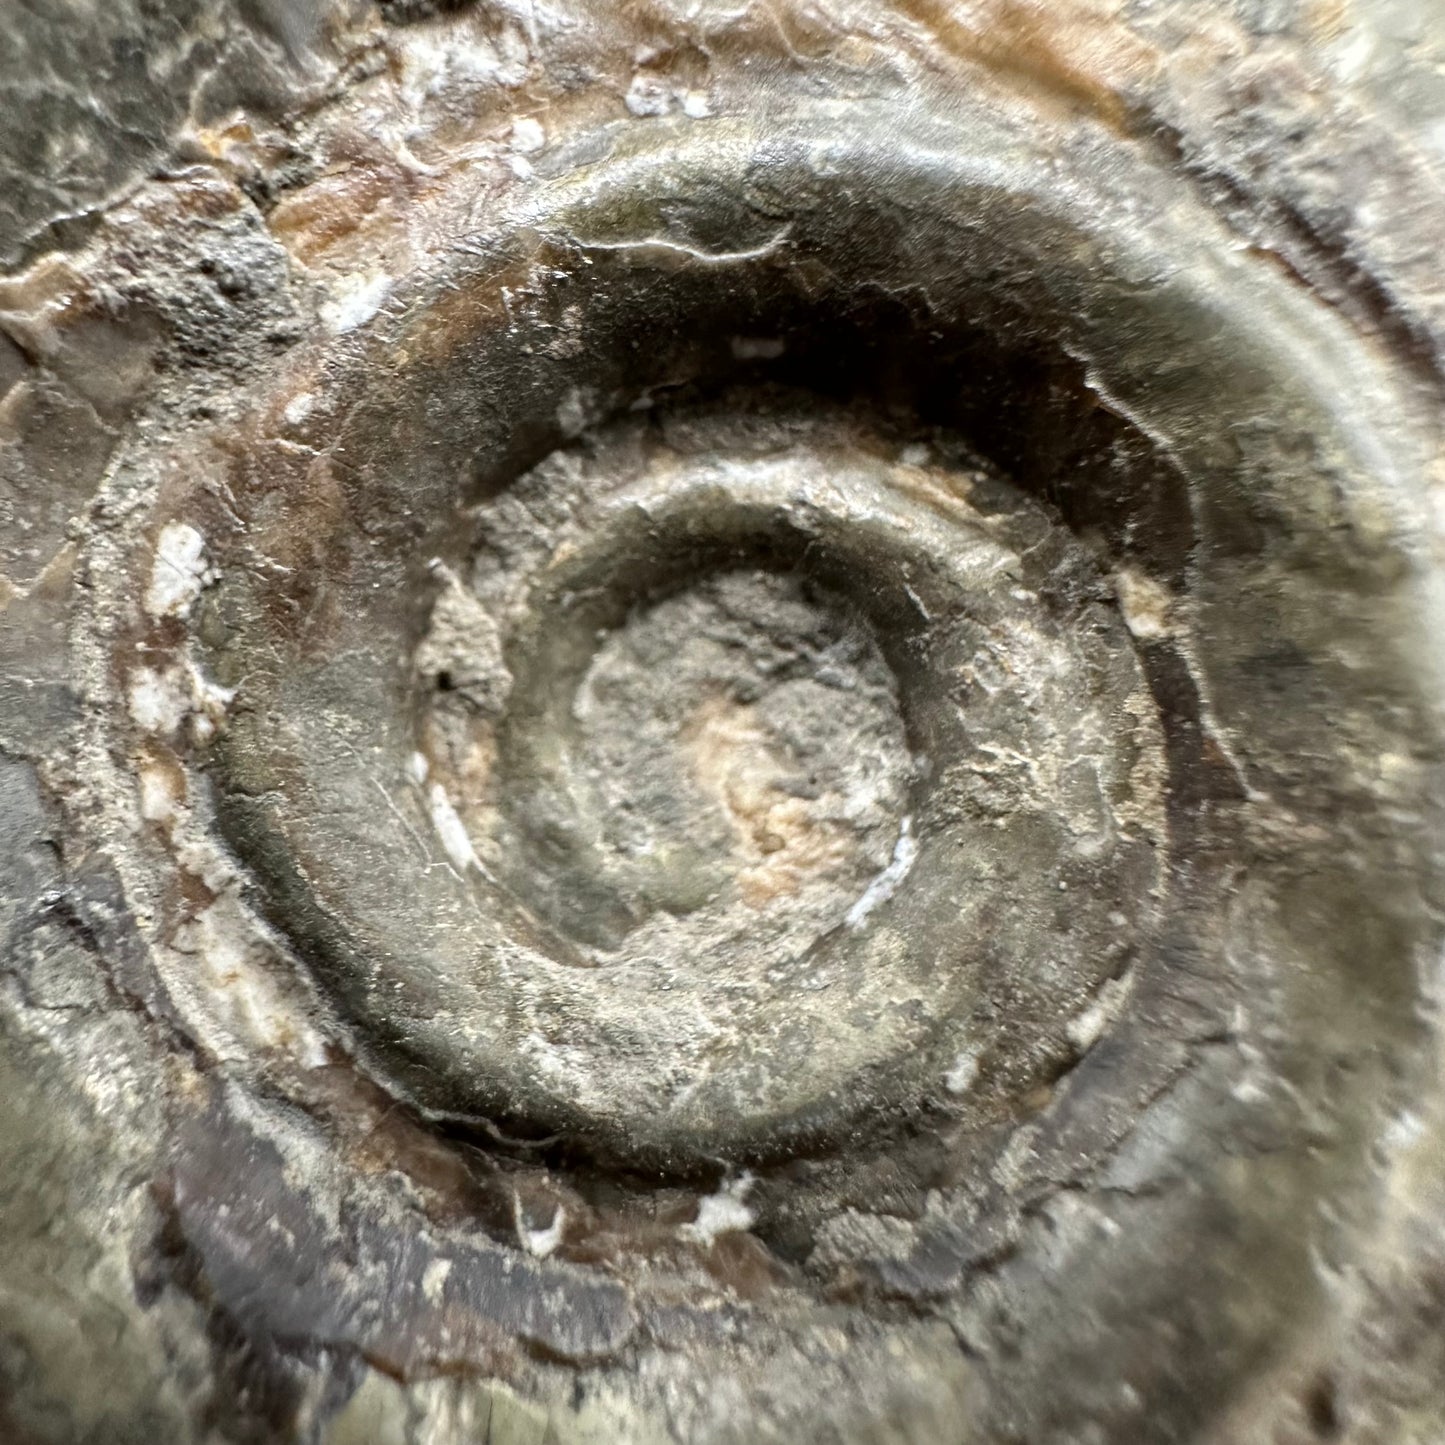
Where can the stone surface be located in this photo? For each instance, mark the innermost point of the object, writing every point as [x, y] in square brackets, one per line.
[721, 722]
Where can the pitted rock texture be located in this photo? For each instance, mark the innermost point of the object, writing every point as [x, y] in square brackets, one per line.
[721, 722]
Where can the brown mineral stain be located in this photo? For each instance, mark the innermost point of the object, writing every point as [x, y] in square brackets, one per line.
[296, 508]
[1327, 19]
[382, 1135]
[195, 895]
[56, 578]
[735, 759]
[312, 222]
[457, 316]
[1073, 51]
[943, 493]
[742, 1264]
[35, 298]
[163, 783]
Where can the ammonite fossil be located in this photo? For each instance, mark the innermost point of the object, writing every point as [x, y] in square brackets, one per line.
[723, 722]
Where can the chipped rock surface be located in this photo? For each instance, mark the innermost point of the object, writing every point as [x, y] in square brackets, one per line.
[722, 722]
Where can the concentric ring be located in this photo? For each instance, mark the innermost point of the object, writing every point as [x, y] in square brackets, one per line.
[1126, 520]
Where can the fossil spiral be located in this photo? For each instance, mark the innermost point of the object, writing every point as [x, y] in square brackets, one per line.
[746, 745]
